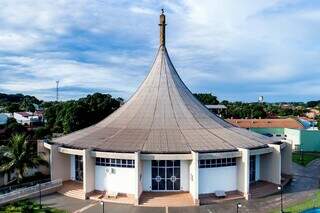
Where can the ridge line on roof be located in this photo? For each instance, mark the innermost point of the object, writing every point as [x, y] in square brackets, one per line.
[174, 112]
[155, 108]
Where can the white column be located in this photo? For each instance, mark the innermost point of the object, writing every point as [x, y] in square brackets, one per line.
[59, 164]
[286, 159]
[270, 169]
[194, 177]
[138, 177]
[89, 165]
[243, 168]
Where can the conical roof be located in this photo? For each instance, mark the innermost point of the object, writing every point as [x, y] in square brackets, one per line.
[163, 116]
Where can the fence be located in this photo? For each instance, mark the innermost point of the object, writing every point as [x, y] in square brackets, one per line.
[30, 191]
[7, 189]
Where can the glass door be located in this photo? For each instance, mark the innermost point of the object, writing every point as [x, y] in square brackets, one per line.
[165, 175]
[78, 168]
[252, 170]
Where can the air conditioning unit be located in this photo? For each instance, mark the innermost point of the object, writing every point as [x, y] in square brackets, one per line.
[110, 170]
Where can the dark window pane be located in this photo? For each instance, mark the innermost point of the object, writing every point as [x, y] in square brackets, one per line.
[154, 172]
[169, 172]
[154, 163]
[177, 163]
[104, 161]
[162, 172]
[207, 162]
[98, 161]
[169, 163]
[218, 162]
[162, 163]
[154, 185]
[177, 173]
[118, 162]
[162, 184]
[177, 184]
[169, 184]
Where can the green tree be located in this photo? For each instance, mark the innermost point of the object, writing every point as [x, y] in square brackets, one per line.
[207, 98]
[13, 107]
[69, 116]
[19, 156]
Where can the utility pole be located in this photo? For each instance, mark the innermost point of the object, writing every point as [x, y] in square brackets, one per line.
[57, 91]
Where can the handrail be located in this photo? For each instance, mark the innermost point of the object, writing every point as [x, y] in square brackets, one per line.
[24, 192]
[7, 189]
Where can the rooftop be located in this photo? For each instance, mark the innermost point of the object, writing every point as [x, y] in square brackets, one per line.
[267, 123]
[163, 116]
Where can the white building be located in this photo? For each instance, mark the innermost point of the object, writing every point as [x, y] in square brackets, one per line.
[27, 118]
[164, 140]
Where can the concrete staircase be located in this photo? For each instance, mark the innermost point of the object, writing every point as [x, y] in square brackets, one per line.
[166, 199]
[72, 189]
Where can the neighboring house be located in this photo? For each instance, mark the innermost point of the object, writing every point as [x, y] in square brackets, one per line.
[3, 118]
[309, 123]
[28, 118]
[312, 113]
[293, 130]
[217, 109]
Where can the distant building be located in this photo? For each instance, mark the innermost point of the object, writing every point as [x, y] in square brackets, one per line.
[28, 118]
[293, 130]
[3, 118]
[217, 109]
[309, 123]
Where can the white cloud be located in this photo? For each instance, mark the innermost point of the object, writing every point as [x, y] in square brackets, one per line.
[101, 44]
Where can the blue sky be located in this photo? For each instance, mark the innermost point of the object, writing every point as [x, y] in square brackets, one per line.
[237, 50]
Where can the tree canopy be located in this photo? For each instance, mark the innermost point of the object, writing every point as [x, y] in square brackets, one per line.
[207, 98]
[69, 116]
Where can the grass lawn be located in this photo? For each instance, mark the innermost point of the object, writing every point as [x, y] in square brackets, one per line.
[303, 205]
[306, 157]
[27, 206]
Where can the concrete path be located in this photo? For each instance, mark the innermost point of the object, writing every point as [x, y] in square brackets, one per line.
[303, 186]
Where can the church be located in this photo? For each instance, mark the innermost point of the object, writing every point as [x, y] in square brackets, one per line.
[164, 140]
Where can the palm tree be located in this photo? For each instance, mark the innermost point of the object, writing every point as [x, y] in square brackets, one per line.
[19, 156]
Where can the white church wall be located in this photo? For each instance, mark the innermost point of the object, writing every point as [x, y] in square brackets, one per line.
[120, 180]
[184, 174]
[218, 178]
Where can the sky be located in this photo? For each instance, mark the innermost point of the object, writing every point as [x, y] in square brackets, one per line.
[237, 50]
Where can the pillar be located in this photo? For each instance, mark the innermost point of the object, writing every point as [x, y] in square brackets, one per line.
[286, 159]
[89, 165]
[59, 164]
[243, 169]
[138, 177]
[270, 163]
[194, 177]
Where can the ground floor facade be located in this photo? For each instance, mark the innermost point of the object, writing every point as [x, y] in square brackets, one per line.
[197, 173]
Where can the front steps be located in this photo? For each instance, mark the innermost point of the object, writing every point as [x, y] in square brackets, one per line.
[73, 189]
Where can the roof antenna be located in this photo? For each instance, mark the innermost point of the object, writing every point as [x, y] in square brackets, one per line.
[162, 28]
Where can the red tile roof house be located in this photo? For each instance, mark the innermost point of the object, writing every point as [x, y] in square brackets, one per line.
[164, 140]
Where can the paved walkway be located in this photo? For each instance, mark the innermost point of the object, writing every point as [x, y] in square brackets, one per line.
[303, 186]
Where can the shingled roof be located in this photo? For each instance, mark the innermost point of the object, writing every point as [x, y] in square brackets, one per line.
[163, 116]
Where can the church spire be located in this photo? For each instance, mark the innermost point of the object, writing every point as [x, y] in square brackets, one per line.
[162, 28]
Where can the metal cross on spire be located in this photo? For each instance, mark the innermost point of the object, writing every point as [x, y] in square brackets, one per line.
[162, 28]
